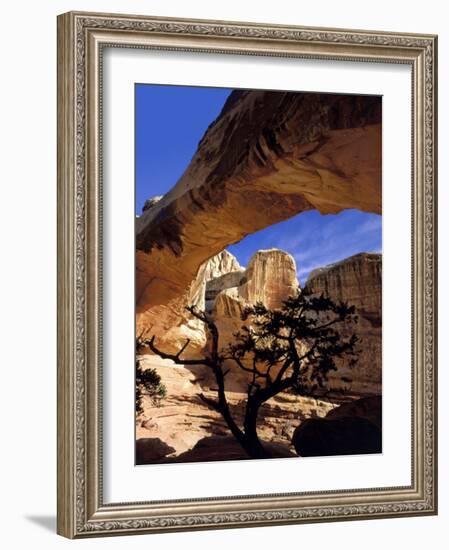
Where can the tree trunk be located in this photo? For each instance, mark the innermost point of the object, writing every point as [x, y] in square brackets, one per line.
[253, 445]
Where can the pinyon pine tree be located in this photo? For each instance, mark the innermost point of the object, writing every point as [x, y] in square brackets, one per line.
[293, 348]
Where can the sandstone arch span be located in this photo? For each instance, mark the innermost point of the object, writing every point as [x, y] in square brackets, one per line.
[267, 157]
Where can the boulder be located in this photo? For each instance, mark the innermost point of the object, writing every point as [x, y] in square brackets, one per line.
[346, 435]
[369, 408]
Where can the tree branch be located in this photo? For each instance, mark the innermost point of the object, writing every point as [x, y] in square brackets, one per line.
[247, 369]
[176, 358]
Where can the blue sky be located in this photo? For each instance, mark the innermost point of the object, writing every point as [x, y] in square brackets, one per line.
[171, 120]
[316, 240]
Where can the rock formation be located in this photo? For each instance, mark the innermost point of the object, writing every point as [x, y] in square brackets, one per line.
[223, 288]
[349, 435]
[270, 278]
[267, 157]
[171, 323]
[358, 281]
[221, 264]
[369, 408]
[149, 203]
[354, 427]
[185, 429]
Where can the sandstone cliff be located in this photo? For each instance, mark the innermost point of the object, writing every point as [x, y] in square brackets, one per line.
[358, 280]
[223, 288]
[270, 278]
[171, 323]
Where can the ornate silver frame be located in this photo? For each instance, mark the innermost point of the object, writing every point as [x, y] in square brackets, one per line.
[81, 37]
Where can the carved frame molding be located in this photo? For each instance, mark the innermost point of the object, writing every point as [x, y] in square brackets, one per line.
[81, 39]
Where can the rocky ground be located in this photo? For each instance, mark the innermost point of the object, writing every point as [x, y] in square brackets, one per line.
[184, 422]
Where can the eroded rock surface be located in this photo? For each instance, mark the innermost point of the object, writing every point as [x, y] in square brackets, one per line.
[267, 157]
[171, 323]
[358, 281]
[270, 278]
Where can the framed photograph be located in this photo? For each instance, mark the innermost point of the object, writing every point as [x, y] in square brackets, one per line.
[246, 274]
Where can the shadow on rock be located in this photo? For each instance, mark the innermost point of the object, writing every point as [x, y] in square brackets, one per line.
[226, 448]
[150, 450]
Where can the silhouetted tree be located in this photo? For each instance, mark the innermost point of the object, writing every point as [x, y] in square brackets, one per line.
[291, 348]
[148, 383]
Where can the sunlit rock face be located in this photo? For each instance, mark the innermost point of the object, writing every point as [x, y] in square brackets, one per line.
[358, 281]
[270, 278]
[149, 203]
[267, 157]
[216, 286]
[221, 264]
[172, 324]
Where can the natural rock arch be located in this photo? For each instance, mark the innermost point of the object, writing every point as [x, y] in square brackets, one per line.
[267, 157]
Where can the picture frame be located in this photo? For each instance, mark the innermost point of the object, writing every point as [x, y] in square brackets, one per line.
[82, 39]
